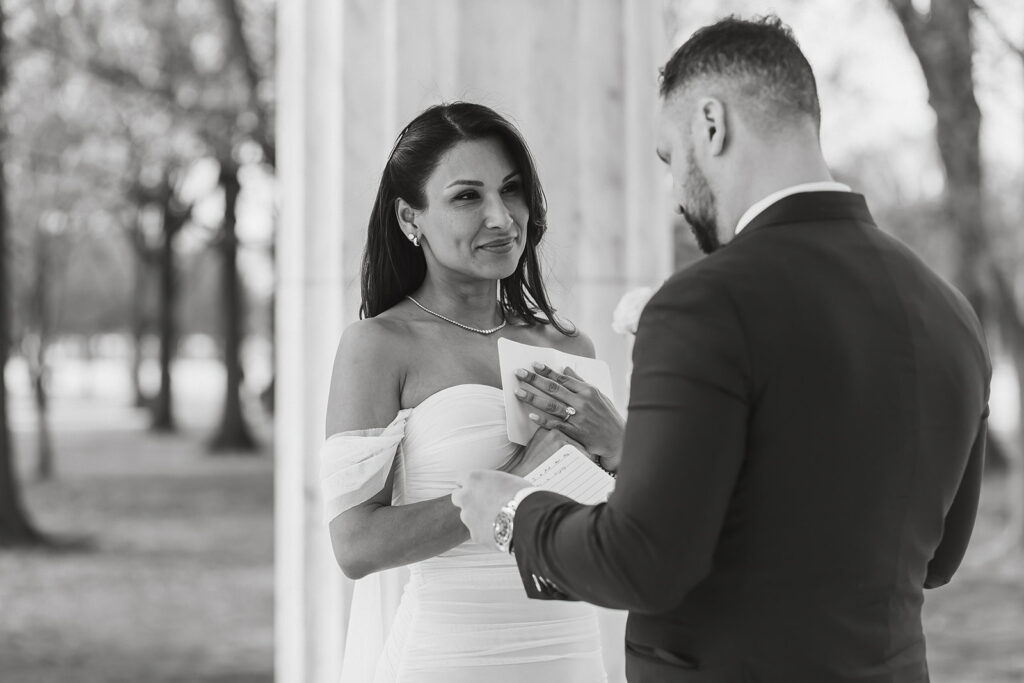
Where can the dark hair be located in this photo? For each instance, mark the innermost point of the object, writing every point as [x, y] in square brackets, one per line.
[762, 53]
[393, 267]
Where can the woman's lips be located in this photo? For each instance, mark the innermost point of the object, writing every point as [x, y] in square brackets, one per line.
[500, 247]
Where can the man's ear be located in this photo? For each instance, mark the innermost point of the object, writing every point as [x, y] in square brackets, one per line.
[711, 124]
[406, 217]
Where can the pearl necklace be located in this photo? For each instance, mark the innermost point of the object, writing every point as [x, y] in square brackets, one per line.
[458, 324]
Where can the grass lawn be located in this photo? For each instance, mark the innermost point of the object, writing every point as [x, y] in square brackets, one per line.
[975, 624]
[178, 585]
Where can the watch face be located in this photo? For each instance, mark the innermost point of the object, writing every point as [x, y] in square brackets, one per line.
[503, 529]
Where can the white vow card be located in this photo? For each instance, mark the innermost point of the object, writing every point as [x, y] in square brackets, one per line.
[513, 355]
[570, 472]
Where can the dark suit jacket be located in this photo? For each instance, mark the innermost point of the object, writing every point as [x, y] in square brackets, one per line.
[803, 456]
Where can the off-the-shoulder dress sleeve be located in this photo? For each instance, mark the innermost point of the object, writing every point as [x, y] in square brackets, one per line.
[354, 465]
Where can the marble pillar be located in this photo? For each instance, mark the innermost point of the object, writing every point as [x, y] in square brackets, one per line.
[308, 292]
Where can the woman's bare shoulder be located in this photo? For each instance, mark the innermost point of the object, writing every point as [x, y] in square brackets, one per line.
[579, 343]
[369, 369]
[376, 340]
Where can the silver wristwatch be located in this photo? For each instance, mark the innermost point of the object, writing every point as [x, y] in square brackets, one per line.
[503, 523]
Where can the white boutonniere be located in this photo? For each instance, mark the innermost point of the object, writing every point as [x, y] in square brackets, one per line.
[627, 313]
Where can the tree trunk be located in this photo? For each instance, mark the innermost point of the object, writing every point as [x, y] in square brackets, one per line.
[1018, 512]
[942, 42]
[1012, 328]
[1015, 477]
[241, 52]
[138, 310]
[36, 354]
[234, 434]
[267, 395]
[943, 45]
[1017, 473]
[163, 417]
[15, 526]
[173, 219]
[44, 447]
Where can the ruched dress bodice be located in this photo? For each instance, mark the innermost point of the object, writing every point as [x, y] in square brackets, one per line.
[456, 430]
[464, 615]
[452, 431]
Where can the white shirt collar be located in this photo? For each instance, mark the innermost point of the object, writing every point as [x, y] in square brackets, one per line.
[759, 206]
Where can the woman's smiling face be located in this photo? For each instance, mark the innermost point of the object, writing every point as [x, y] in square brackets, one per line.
[475, 220]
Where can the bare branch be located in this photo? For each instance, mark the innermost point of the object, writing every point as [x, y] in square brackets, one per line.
[240, 47]
[129, 81]
[1003, 36]
[242, 51]
[914, 23]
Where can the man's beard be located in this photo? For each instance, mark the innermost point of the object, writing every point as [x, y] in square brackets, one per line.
[701, 214]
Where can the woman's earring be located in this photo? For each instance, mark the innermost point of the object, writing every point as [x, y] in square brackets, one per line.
[414, 239]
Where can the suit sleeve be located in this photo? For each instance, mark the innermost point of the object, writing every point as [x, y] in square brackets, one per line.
[684, 445]
[959, 522]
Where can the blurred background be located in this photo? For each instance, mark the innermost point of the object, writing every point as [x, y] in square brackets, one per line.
[160, 266]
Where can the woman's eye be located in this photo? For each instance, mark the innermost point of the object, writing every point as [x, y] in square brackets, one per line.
[512, 188]
[469, 194]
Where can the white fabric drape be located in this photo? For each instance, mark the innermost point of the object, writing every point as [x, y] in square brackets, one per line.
[354, 466]
[375, 600]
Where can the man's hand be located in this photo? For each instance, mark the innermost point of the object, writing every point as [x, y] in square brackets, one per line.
[480, 496]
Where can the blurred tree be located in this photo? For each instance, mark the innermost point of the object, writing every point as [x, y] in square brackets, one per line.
[78, 154]
[159, 156]
[258, 98]
[205, 70]
[34, 348]
[1017, 49]
[173, 215]
[234, 433]
[60, 165]
[942, 40]
[143, 259]
[15, 526]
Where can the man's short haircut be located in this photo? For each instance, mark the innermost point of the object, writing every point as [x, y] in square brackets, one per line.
[759, 56]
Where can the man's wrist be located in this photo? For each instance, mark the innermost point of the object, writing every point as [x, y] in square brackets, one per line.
[504, 522]
[521, 494]
[611, 460]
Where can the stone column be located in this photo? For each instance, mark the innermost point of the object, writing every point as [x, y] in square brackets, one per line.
[427, 38]
[649, 255]
[602, 176]
[309, 293]
[370, 92]
[335, 119]
[649, 240]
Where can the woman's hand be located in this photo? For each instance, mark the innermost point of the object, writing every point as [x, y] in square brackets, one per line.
[542, 446]
[592, 421]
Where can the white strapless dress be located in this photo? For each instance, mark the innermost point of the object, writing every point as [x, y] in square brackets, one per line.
[464, 616]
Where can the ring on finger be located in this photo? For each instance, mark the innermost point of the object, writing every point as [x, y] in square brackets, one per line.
[569, 412]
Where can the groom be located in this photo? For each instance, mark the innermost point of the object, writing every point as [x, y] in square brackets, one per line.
[806, 428]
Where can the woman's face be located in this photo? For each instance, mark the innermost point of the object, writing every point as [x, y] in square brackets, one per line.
[474, 224]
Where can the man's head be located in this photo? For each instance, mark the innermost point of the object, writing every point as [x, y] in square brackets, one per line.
[733, 96]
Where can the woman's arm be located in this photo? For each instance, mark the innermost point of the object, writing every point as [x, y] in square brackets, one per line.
[365, 394]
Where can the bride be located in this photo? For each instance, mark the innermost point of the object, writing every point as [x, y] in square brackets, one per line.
[450, 266]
